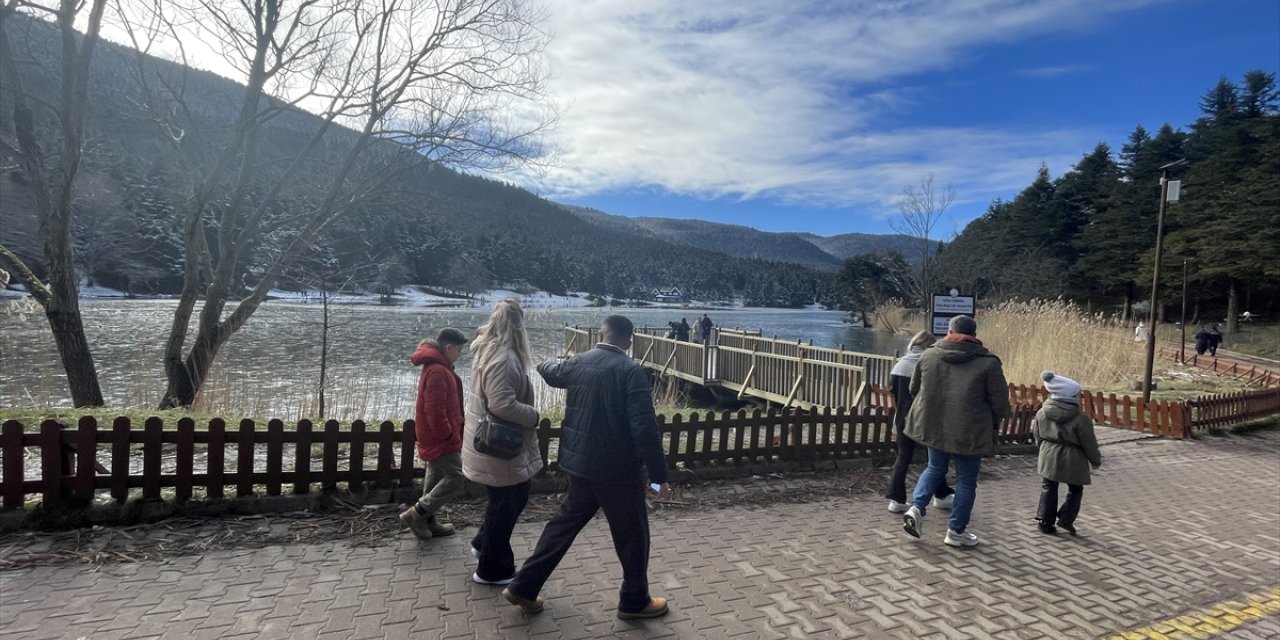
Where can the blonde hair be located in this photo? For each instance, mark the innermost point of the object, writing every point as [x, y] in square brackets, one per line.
[504, 330]
[922, 339]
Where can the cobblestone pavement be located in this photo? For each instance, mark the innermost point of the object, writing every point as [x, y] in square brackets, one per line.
[1168, 529]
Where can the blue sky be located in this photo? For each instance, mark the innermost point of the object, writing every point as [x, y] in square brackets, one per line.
[814, 116]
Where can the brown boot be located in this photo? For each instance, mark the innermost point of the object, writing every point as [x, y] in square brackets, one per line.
[529, 606]
[439, 528]
[657, 607]
[416, 522]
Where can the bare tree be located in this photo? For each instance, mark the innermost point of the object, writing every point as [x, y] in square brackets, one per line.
[390, 85]
[919, 211]
[51, 172]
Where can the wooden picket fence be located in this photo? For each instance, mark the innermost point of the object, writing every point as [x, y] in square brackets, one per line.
[1233, 408]
[217, 461]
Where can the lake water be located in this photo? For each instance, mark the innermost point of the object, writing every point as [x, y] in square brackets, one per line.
[271, 366]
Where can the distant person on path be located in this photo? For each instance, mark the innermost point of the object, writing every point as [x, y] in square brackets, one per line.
[960, 398]
[610, 441]
[1202, 340]
[1140, 332]
[500, 385]
[1215, 339]
[438, 423]
[682, 330]
[900, 385]
[1068, 447]
[706, 325]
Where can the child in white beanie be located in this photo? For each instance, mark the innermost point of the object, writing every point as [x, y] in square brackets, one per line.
[1068, 448]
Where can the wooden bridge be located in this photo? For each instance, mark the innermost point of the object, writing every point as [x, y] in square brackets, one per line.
[785, 373]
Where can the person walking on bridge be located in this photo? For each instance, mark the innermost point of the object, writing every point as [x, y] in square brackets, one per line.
[960, 398]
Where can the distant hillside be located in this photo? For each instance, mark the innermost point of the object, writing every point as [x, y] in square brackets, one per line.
[847, 245]
[819, 252]
[434, 226]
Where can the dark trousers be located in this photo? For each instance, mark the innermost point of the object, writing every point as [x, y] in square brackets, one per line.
[1048, 510]
[628, 516]
[898, 479]
[493, 540]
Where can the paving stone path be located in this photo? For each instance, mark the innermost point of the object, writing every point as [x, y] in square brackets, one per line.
[1168, 528]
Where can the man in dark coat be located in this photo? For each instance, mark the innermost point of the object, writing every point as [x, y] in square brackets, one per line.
[960, 398]
[610, 440]
[1215, 339]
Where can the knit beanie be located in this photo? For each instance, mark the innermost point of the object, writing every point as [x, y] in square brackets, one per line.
[1060, 387]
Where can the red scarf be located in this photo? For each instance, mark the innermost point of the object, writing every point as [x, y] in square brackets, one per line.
[962, 337]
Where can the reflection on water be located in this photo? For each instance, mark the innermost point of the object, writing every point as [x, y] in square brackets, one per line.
[271, 366]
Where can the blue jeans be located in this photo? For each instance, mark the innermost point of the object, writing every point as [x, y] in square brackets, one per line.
[966, 485]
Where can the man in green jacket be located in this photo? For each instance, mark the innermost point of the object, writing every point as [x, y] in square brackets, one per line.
[960, 398]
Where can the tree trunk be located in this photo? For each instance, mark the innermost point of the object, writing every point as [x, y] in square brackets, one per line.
[1233, 308]
[185, 381]
[63, 313]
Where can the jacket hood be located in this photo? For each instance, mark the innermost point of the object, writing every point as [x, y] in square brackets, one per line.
[958, 352]
[429, 354]
[1059, 411]
[906, 365]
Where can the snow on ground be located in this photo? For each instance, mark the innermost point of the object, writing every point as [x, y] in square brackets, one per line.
[413, 295]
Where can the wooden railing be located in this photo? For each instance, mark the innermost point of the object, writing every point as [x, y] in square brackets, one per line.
[1251, 373]
[790, 374]
[153, 462]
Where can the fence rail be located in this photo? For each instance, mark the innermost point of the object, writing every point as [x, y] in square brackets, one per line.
[791, 374]
[1252, 373]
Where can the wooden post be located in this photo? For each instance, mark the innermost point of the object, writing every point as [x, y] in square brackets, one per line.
[185, 463]
[14, 473]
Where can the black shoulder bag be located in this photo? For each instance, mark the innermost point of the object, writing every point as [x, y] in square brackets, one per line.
[496, 438]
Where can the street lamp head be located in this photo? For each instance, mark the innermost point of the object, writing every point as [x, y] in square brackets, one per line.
[1176, 163]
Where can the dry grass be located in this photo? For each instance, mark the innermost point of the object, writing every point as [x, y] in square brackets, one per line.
[1030, 337]
[891, 316]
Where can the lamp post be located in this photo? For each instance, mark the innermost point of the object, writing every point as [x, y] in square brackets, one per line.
[1155, 279]
[1182, 347]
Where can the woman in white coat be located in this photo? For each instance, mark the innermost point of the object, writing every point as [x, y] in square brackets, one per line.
[500, 385]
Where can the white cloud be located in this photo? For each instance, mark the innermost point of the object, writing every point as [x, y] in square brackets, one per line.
[785, 100]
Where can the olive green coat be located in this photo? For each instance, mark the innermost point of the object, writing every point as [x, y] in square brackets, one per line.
[960, 398]
[1068, 446]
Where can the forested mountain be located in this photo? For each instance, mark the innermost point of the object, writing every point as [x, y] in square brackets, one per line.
[1091, 234]
[430, 225]
[820, 252]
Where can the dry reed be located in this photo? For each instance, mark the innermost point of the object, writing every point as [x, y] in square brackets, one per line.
[1030, 337]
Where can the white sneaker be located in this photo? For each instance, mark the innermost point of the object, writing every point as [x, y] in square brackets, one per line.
[965, 539]
[913, 521]
[945, 503]
[897, 507]
[504, 581]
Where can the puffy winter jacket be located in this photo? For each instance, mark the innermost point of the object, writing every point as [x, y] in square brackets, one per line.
[610, 430]
[437, 414]
[1068, 445]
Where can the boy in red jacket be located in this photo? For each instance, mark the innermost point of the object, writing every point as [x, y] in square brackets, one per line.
[438, 420]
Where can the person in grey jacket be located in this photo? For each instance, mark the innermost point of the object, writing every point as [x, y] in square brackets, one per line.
[501, 387]
[610, 441]
[960, 398]
[1068, 447]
